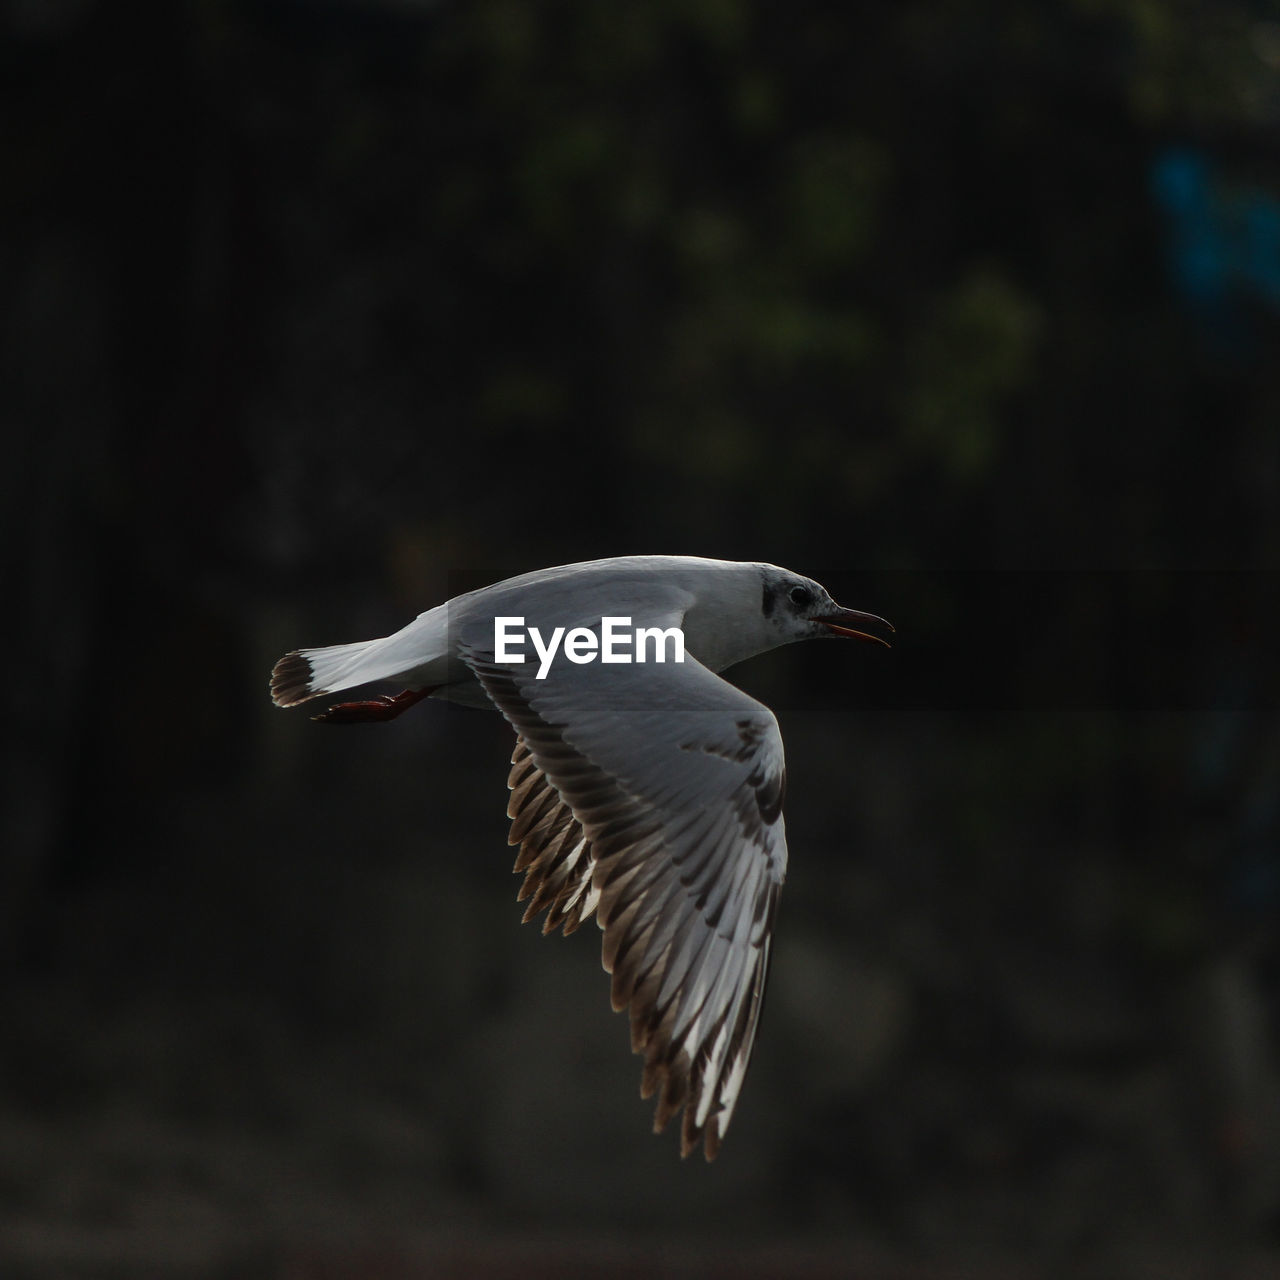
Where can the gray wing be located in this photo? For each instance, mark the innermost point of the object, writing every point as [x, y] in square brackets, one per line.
[664, 784]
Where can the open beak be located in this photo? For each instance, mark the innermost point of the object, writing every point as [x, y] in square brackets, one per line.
[853, 623]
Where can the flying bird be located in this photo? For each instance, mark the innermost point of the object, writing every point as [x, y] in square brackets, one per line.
[644, 788]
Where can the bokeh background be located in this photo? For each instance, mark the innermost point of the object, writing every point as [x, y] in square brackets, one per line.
[317, 313]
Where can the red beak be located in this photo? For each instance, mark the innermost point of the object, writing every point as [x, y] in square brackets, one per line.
[850, 622]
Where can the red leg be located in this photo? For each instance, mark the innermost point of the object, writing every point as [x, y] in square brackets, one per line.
[386, 707]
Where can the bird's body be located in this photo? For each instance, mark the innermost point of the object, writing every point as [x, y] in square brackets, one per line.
[698, 594]
[648, 792]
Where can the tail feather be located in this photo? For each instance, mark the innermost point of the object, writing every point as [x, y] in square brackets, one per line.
[308, 673]
[291, 680]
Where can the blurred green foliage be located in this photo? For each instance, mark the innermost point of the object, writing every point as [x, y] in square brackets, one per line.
[828, 257]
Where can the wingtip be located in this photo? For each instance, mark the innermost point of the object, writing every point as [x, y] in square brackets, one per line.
[694, 1135]
[713, 1135]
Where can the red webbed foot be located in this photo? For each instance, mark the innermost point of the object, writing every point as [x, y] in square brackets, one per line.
[373, 710]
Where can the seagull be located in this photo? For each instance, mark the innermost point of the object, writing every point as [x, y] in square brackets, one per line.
[644, 788]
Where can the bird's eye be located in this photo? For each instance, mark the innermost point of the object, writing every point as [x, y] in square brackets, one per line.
[800, 596]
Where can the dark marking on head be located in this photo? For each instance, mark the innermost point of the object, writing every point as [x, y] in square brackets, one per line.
[769, 602]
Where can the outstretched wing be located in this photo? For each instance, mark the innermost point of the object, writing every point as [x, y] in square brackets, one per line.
[667, 782]
[554, 854]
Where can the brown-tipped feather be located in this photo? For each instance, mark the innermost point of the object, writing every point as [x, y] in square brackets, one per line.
[628, 967]
[675, 1092]
[573, 919]
[291, 681]
[554, 855]
[712, 1146]
[523, 772]
[536, 807]
[650, 1078]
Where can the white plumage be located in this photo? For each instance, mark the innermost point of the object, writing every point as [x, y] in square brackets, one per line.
[649, 794]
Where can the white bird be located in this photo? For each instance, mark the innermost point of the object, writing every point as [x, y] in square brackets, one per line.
[649, 792]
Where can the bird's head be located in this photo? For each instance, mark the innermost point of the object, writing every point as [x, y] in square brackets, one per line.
[798, 608]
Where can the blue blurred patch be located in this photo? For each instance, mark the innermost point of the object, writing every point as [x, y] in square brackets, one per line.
[1224, 241]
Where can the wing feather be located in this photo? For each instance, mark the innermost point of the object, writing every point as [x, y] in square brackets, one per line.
[554, 854]
[655, 800]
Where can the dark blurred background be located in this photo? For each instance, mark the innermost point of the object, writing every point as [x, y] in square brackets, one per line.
[317, 313]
